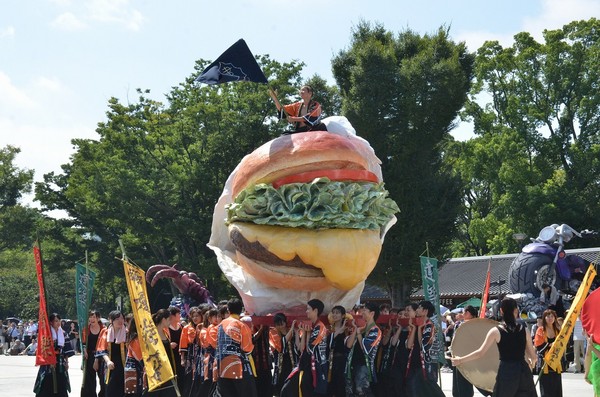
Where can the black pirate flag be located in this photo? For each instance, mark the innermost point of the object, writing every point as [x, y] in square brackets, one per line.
[235, 64]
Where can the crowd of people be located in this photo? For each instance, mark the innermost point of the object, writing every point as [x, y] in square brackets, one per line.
[18, 338]
[225, 352]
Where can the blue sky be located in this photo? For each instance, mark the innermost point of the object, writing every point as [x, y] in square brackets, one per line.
[61, 60]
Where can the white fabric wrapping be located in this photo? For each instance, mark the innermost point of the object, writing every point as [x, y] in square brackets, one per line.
[261, 299]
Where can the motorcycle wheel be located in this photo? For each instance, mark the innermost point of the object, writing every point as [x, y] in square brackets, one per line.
[528, 272]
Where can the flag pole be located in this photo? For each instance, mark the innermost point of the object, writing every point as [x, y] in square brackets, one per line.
[486, 290]
[122, 249]
[273, 95]
[82, 330]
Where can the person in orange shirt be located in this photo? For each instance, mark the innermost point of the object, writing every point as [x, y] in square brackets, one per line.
[305, 115]
[198, 352]
[314, 359]
[209, 346]
[134, 365]
[188, 349]
[234, 342]
[550, 380]
[283, 348]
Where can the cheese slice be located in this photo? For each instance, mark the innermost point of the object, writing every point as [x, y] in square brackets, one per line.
[345, 256]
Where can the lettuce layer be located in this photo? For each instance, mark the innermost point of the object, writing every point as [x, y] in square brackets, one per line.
[321, 204]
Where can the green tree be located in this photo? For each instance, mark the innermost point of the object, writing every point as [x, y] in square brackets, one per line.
[327, 96]
[403, 93]
[536, 160]
[20, 226]
[14, 182]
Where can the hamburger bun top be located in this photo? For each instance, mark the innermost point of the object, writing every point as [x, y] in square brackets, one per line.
[301, 152]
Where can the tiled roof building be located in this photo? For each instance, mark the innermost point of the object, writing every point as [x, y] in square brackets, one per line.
[462, 278]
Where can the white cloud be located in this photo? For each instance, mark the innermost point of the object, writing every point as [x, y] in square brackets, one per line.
[12, 97]
[554, 15]
[45, 97]
[44, 147]
[476, 38]
[62, 3]
[38, 119]
[69, 22]
[8, 31]
[116, 11]
[136, 21]
[557, 13]
[51, 84]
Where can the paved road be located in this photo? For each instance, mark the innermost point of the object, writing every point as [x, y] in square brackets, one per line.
[17, 375]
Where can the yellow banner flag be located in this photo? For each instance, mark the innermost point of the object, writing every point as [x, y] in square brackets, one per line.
[157, 365]
[557, 351]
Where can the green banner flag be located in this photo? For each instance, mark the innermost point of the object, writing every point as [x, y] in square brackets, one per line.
[84, 286]
[431, 291]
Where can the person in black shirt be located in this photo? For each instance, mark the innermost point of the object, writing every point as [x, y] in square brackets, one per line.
[90, 339]
[338, 353]
[514, 376]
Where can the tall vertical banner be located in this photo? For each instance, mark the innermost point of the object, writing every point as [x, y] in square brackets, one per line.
[431, 291]
[44, 354]
[557, 351]
[157, 365]
[84, 286]
[486, 291]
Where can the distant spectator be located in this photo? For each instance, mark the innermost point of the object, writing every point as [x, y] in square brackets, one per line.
[23, 330]
[578, 346]
[74, 337]
[31, 348]
[16, 347]
[13, 332]
[27, 332]
[3, 338]
[553, 299]
[384, 309]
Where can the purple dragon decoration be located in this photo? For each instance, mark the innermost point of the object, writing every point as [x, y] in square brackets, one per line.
[188, 283]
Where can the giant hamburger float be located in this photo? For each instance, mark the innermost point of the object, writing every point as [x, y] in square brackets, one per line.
[303, 216]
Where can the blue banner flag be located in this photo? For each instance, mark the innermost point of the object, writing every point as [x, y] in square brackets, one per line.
[235, 64]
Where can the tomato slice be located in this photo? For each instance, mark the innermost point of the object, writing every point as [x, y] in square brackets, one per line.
[333, 175]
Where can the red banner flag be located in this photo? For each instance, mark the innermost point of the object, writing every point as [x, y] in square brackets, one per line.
[44, 355]
[486, 292]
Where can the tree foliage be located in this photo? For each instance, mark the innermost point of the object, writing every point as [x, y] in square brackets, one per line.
[14, 182]
[20, 227]
[403, 93]
[536, 160]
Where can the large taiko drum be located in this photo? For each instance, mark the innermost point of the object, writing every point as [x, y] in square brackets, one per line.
[469, 337]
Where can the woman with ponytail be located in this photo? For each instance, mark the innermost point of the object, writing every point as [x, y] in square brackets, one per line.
[517, 354]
